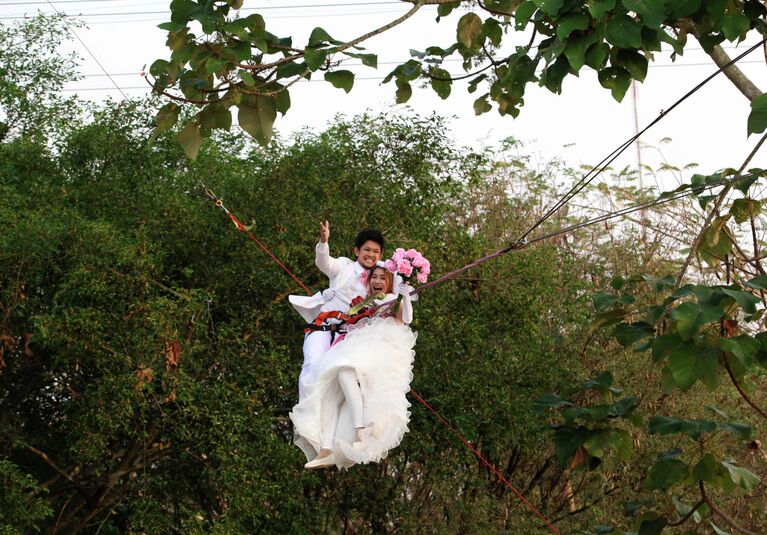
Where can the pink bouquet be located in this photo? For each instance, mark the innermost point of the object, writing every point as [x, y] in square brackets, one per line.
[409, 265]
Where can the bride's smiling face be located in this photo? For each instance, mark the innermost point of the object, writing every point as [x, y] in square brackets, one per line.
[379, 283]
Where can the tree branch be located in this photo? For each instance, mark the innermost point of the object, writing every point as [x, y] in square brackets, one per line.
[719, 200]
[734, 74]
[722, 514]
[686, 517]
[740, 388]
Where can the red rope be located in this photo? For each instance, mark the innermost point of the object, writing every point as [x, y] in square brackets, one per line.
[242, 228]
[468, 444]
[487, 463]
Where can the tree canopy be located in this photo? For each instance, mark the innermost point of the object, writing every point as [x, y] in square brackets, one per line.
[222, 62]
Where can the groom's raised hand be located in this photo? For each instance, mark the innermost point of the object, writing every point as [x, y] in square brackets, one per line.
[324, 232]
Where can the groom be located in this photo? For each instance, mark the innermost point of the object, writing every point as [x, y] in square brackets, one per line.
[346, 282]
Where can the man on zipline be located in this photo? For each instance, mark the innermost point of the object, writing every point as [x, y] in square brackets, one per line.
[323, 308]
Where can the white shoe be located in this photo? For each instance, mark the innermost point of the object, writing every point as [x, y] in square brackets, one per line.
[321, 462]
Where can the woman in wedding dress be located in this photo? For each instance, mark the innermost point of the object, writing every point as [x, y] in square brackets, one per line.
[358, 410]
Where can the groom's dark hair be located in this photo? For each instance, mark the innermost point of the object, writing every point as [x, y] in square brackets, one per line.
[369, 234]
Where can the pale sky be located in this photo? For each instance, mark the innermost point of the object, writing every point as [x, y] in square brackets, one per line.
[582, 125]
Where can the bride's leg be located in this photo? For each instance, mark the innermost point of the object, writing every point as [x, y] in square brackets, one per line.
[347, 378]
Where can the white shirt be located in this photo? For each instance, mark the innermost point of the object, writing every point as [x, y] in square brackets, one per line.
[345, 284]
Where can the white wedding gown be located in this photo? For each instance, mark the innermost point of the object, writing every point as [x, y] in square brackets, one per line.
[381, 353]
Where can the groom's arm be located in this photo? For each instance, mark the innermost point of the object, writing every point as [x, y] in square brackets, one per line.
[328, 265]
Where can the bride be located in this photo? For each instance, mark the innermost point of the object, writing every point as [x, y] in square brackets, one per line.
[357, 409]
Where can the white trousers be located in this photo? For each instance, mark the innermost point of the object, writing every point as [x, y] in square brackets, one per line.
[316, 343]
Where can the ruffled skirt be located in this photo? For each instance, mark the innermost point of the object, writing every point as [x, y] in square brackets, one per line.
[381, 353]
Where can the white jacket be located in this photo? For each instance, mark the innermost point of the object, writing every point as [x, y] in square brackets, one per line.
[345, 284]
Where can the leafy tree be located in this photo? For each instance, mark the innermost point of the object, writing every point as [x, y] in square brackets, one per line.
[149, 359]
[32, 74]
[236, 63]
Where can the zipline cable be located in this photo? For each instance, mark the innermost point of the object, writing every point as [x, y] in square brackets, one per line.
[242, 228]
[601, 166]
[583, 182]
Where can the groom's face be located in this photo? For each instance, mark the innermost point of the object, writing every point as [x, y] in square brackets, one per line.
[368, 254]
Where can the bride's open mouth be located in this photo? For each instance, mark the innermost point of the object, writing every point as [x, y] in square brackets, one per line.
[377, 287]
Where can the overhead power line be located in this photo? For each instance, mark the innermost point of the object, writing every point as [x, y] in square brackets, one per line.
[72, 31]
[344, 4]
[167, 12]
[601, 166]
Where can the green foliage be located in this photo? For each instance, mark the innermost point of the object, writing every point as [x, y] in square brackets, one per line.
[23, 506]
[32, 74]
[616, 38]
[150, 352]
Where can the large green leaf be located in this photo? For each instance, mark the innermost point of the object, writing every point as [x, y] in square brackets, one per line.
[551, 401]
[664, 425]
[469, 31]
[369, 60]
[320, 36]
[190, 139]
[624, 32]
[617, 80]
[735, 25]
[493, 30]
[290, 69]
[443, 10]
[282, 100]
[567, 24]
[596, 55]
[341, 79]
[257, 117]
[711, 471]
[746, 300]
[653, 12]
[707, 367]
[523, 14]
[687, 317]
[741, 477]
[215, 116]
[550, 7]
[716, 242]
[167, 117]
[681, 362]
[567, 440]
[743, 210]
[576, 49]
[617, 440]
[554, 73]
[628, 333]
[665, 473]
[315, 57]
[663, 344]
[404, 91]
[481, 105]
[441, 83]
[632, 61]
[652, 526]
[757, 119]
[758, 283]
[684, 8]
[598, 8]
[743, 347]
